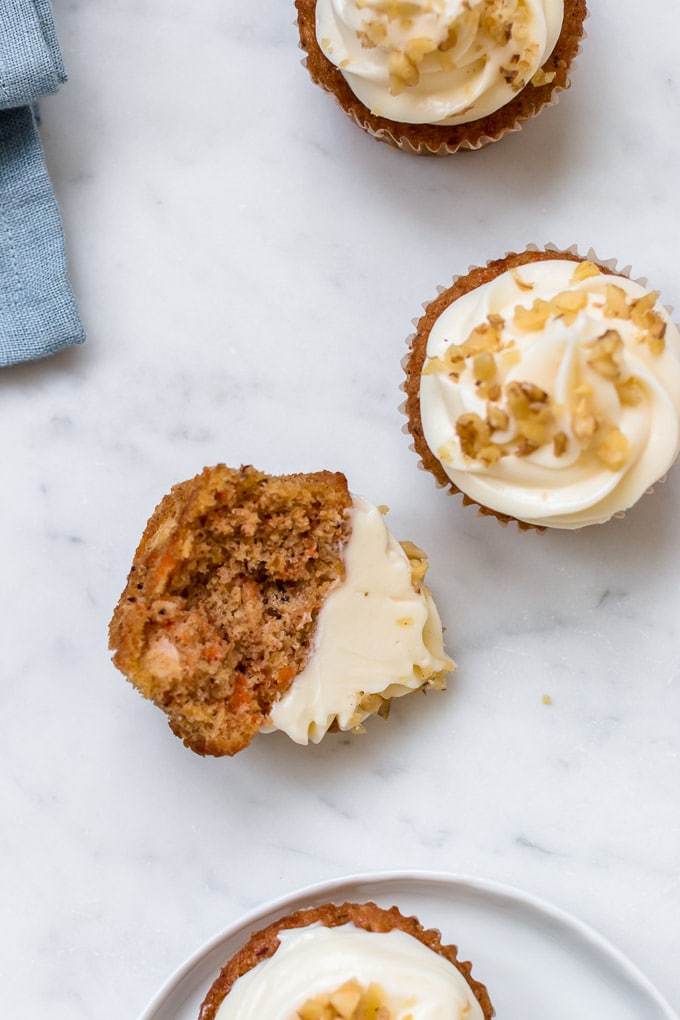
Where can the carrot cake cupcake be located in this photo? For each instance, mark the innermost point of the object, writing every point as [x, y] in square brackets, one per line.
[545, 387]
[260, 603]
[348, 962]
[435, 76]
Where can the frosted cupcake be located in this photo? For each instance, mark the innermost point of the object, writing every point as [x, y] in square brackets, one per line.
[259, 603]
[545, 388]
[348, 962]
[435, 76]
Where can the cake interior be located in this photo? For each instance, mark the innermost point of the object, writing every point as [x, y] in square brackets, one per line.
[218, 614]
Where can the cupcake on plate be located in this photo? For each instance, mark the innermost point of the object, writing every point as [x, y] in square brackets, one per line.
[434, 76]
[259, 602]
[348, 962]
[545, 387]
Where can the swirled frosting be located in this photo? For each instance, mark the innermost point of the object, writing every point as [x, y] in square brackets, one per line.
[378, 636]
[414, 981]
[552, 393]
[440, 62]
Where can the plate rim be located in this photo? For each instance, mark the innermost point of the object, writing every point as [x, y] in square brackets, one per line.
[479, 884]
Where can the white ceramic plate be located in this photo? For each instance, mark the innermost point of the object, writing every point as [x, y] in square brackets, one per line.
[536, 961]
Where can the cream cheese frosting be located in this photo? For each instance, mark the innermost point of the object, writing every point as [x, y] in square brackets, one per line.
[417, 983]
[552, 393]
[378, 636]
[442, 62]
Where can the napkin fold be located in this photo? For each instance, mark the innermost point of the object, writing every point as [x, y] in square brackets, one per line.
[38, 312]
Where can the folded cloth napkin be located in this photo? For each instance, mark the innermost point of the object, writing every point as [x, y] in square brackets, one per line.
[38, 312]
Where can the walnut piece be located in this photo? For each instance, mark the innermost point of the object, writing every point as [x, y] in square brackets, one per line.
[614, 450]
[615, 305]
[526, 400]
[542, 77]
[527, 320]
[351, 1001]
[584, 424]
[631, 391]
[607, 355]
[522, 284]
[418, 561]
[584, 270]
[484, 367]
[568, 303]
[473, 432]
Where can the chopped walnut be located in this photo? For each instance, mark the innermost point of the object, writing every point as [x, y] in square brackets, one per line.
[451, 39]
[473, 433]
[375, 34]
[542, 77]
[521, 26]
[525, 447]
[560, 444]
[497, 418]
[614, 450]
[584, 270]
[522, 284]
[524, 66]
[435, 681]
[370, 704]
[352, 1001]
[490, 454]
[417, 49]
[535, 432]
[583, 422]
[485, 337]
[496, 20]
[433, 365]
[607, 355]
[649, 321]
[568, 303]
[615, 305]
[640, 309]
[631, 391]
[526, 400]
[452, 363]
[656, 344]
[530, 319]
[484, 367]
[402, 70]
[418, 561]
[454, 359]
[446, 453]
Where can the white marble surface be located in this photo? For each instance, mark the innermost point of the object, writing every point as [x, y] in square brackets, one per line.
[247, 263]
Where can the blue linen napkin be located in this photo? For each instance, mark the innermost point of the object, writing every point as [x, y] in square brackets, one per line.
[38, 312]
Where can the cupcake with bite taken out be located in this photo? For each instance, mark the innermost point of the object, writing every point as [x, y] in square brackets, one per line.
[435, 76]
[545, 388]
[263, 602]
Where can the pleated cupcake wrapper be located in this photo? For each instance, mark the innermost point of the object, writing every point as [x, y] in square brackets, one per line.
[405, 144]
[611, 265]
[398, 140]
